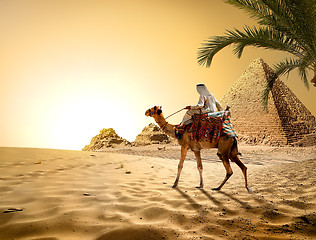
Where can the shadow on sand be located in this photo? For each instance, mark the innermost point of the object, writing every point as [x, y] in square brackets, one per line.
[193, 203]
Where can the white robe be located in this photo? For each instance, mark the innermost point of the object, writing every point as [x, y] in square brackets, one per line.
[206, 104]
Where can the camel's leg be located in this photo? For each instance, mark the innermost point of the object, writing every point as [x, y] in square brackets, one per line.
[243, 169]
[199, 166]
[229, 172]
[184, 150]
[224, 151]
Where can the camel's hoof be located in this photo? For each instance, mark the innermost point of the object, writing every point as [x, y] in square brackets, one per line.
[174, 186]
[249, 189]
[216, 189]
[199, 187]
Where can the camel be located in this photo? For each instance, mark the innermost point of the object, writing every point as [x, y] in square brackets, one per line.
[227, 149]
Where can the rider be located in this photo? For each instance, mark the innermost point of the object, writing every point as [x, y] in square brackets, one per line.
[207, 103]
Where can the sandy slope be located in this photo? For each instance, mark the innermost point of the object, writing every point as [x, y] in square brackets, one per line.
[57, 194]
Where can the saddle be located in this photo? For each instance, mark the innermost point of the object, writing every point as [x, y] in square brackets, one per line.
[209, 126]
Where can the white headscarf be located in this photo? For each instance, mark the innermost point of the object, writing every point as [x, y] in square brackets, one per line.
[202, 90]
[207, 100]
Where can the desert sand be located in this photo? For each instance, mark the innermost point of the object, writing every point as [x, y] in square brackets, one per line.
[125, 193]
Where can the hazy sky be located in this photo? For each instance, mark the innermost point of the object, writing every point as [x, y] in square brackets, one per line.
[70, 68]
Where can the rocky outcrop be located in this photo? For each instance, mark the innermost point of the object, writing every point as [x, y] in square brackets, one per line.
[151, 134]
[107, 138]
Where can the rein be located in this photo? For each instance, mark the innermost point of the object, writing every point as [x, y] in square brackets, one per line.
[175, 113]
[164, 125]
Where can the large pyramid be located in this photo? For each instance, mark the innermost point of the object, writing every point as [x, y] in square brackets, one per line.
[287, 122]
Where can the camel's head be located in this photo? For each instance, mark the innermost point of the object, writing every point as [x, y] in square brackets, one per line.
[151, 112]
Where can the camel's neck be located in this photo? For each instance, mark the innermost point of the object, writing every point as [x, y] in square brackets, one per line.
[164, 125]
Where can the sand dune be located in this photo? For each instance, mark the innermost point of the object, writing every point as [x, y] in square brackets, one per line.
[57, 194]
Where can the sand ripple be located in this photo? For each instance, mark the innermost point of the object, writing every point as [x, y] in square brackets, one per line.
[73, 195]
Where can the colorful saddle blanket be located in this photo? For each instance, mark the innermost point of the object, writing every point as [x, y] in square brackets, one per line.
[210, 126]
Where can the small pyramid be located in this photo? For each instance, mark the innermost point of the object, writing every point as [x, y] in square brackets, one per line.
[107, 138]
[287, 122]
[151, 134]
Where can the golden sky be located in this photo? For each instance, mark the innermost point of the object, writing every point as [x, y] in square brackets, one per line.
[69, 68]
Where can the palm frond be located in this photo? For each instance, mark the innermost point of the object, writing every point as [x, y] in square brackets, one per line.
[211, 47]
[282, 68]
[256, 37]
[294, 18]
[303, 74]
[285, 66]
[255, 9]
[302, 65]
[266, 92]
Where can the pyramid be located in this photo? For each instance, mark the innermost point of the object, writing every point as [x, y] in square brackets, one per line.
[287, 121]
[152, 134]
[107, 138]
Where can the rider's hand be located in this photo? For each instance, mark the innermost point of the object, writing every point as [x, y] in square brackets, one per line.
[187, 107]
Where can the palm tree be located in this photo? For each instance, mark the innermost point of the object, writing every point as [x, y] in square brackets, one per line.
[285, 25]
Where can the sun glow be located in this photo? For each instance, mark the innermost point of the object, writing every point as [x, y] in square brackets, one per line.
[79, 117]
[71, 68]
